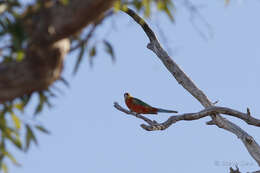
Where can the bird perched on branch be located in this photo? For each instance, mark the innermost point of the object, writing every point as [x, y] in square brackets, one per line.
[140, 107]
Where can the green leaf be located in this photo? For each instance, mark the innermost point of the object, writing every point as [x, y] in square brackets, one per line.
[64, 81]
[38, 108]
[147, 7]
[92, 51]
[1, 155]
[29, 137]
[168, 12]
[19, 56]
[117, 5]
[25, 100]
[7, 59]
[92, 54]
[14, 139]
[80, 56]
[19, 106]
[16, 121]
[42, 129]
[165, 6]
[17, 143]
[160, 5]
[47, 101]
[137, 4]
[2, 120]
[109, 50]
[64, 2]
[42, 100]
[4, 168]
[11, 157]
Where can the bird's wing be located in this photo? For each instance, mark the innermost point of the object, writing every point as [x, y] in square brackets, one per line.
[140, 102]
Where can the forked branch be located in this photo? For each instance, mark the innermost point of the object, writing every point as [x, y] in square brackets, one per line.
[153, 125]
[154, 45]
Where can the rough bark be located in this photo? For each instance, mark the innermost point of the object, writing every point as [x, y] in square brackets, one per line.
[48, 30]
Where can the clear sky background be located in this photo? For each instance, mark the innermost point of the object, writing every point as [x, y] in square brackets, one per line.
[88, 135]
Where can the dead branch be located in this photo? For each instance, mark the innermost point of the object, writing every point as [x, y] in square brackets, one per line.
[153, 125]
[154, 45]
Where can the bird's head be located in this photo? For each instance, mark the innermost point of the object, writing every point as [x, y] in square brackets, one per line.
[126, 95]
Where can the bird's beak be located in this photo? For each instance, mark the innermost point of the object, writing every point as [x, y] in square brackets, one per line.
[126, 95]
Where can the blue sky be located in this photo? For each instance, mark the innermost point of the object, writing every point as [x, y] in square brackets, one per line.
[89, 135]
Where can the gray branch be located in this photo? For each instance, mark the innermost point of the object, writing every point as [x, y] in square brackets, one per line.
[153, 125]
[154, 45]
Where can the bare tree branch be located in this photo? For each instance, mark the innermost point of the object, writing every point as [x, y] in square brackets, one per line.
[147, 120]
[191, 116]
[154, 45]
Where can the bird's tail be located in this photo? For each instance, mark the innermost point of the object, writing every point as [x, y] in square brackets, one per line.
[166, 111]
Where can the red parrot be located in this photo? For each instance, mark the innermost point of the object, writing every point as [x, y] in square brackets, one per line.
[140, 107]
